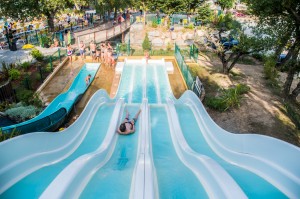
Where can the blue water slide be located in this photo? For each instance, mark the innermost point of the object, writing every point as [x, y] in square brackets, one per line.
[56, 112]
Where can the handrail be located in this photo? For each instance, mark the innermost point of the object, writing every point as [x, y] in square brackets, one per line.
[252, 152]
[200, 165]
[72, 180]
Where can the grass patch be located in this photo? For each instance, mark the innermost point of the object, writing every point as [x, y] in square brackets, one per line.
[6, 136]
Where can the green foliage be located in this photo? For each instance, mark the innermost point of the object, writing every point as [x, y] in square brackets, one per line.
[154, 23]
[44, 40]
[258, 56]
[226, 4]
[48, 68]
[22, 113]
[190, 26]
[3, 106]
[204, 13]
[270, 69]
[14, 74]
[6, 136]
[229, 98]
[146, 43]
[123, 47]
[293, 114]
[169, 46]
[246, 61]
[25, 65]
[25, 96]
[35, 53]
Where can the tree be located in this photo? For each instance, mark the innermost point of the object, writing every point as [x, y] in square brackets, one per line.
[35, 8]
[204, 13]
[273, 14]
[235, 45]
[146, 43]
[226, 4]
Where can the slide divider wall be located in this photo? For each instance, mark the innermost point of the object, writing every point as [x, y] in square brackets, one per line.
[262, 155]
[215, 180]
[73, 179]
[42, 148]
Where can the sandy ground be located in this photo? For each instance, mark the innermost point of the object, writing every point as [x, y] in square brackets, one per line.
[260, 111]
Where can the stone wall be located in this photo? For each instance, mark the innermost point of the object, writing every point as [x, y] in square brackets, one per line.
[160, 37]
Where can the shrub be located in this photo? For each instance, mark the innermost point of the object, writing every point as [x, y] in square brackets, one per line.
[229, 98]
[14, 74]
[22, 113]
[169, 46]
[25, 65]
[25, 96]
[154, 24]
[270, 71]
[258, 56]
[190, 26]
[35, 53]
[146, 43]
[6, 136]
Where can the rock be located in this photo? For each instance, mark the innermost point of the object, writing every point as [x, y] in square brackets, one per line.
[157, 42]
[173, 35]
[153, 34]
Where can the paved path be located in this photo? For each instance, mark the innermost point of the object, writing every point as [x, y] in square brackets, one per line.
[21, 55]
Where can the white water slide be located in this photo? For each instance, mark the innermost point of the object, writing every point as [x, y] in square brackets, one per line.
[177, 151]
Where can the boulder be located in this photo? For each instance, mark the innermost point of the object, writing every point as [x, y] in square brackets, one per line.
[157, 42]
[173, 35]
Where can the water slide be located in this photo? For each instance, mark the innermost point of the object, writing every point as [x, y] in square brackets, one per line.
[56, 112]
[177, 151]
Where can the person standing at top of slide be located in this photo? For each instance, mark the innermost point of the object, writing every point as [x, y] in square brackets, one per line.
[81, 50]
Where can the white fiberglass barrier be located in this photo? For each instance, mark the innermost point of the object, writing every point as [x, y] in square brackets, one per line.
[216, 181]
[27, 153]
[73, 179]
[275, 160]
[144, 185]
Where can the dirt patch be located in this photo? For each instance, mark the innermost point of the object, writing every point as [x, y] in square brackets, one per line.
[176, 81]
[260, 112]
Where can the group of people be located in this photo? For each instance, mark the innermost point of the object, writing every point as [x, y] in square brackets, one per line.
[103, 54]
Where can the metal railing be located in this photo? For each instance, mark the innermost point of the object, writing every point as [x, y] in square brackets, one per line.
[192, 83]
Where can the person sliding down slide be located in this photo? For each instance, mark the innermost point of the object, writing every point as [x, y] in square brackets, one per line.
[127, 126]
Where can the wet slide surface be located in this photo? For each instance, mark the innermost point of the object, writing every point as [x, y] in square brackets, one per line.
[93, 138]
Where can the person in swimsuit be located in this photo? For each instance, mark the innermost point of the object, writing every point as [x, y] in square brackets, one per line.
[81, 50]
[98, 52]
[127, 126]
[93, 49]
[69, 52]
[88, 79]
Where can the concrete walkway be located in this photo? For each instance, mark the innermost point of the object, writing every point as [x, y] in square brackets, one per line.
[21, 55]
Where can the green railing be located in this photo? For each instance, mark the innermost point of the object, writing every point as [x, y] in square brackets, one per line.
[184, 68]
[194, 51]
[193, 83]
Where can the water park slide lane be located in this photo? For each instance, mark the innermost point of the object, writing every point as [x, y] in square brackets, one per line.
[46, 120]
[43, 149]
[177, 151]
[276, 161]
[217, 182]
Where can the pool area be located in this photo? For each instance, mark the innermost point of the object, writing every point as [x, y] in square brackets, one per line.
[177, 150]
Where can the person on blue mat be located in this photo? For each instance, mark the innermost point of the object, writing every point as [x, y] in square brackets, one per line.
[127, 126]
